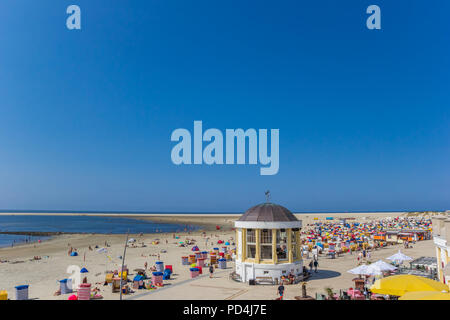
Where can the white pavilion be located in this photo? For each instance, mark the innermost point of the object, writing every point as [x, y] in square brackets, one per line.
[268, 244]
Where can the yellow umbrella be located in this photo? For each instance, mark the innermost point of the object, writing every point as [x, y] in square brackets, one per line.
[425, 295]
[400, 284]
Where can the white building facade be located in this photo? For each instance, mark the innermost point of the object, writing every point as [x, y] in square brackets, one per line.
[441, 238]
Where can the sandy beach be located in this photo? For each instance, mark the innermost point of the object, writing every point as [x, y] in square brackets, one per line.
[43, 275]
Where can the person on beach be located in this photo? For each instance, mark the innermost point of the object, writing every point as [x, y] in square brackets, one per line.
[281, 291]
[310, 266]
[145, 265]
[316, 264]
[211, 271]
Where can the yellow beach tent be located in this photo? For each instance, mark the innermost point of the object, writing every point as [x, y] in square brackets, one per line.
[425, 295]
[398, 285]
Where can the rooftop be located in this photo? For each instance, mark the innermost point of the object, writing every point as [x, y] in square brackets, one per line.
[268, 212]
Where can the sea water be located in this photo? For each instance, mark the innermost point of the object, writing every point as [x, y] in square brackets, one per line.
[77, 224]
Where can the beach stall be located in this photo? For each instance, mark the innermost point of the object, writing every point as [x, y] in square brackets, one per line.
[138, 282]
[84, 291]
[191, 258]
[194, 272]
[213, 258]
[222, 263]
[157, 279]
[167, 273]
[109, 277]
[65, 286]
[124, 275]
[205, 254]
[201, 262]
[159, 266]
[3, 295]
[22, 292]
[115, 284]
[185, 261]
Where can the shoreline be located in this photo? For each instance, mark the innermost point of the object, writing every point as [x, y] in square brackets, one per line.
[203, 222]
[190, 214]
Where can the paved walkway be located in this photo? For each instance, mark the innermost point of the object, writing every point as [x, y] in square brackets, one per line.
[174, 285]
[332, 273]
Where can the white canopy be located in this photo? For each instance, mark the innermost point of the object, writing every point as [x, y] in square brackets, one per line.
[131, 240]
[399, 257]
[359, 269]
[368, 270]
[383, 265]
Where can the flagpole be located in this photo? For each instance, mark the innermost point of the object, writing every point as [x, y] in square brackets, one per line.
[123, 263]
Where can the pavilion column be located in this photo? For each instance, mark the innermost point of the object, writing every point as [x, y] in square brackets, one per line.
[244, 244]
[237, 249]
[439, 264]
[258, 245]
[274, 246]
[297, 246]
[289, 244]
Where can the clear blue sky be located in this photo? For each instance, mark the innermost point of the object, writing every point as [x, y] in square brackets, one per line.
[86, 116]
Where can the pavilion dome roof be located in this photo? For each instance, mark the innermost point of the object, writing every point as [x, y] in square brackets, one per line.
[268, 212]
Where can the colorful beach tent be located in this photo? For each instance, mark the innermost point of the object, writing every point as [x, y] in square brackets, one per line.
[74, 254]
[425, 295]
[399, 285]
[84, 270]
[195, 248]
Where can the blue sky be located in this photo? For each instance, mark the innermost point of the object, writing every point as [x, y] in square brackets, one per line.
[86, 116]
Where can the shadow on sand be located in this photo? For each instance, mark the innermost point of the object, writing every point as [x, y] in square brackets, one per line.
[324, 274]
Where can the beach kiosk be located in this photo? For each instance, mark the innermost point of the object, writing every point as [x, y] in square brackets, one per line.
[268, 244]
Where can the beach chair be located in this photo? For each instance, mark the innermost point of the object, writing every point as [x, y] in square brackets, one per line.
[115, 285]
[109, 277]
